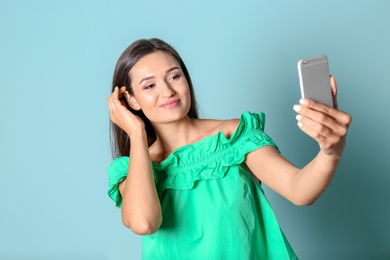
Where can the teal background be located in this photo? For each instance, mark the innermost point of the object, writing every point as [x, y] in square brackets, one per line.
[56, 65]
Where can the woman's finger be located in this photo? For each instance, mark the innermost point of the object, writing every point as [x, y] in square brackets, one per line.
[128, 98]
[332, 131]
[115, 98]
[333, 86]
[330, 141]
[324, 125]
[310, 131]
[121, 92]
[322, 113]
[311, 116]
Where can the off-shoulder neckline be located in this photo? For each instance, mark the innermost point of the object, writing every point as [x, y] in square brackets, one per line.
[219, 136]
[197, 143]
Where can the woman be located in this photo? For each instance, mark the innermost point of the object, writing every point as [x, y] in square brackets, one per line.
[191, 186]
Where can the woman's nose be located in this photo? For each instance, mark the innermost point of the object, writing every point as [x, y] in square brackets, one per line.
[167, 90]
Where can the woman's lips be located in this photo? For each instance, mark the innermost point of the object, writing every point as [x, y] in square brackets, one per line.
[170, 104]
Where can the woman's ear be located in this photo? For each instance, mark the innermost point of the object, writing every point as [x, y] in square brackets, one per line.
[132, 101]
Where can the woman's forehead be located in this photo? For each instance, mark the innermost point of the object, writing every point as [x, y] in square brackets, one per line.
[155, 62]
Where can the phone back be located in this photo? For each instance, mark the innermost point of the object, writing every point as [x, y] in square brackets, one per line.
[314, 79]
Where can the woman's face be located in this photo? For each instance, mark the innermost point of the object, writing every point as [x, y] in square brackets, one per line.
[160, 88]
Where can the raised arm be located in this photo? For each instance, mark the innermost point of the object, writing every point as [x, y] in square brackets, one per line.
[141, 210]
[329, 127]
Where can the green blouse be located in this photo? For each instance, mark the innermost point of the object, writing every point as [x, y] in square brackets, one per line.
[212, 208]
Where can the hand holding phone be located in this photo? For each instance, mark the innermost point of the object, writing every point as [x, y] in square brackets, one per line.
[314, 79]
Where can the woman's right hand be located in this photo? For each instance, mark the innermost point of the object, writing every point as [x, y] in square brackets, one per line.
[121, 115]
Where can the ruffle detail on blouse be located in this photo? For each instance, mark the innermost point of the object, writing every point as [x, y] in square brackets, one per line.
[117, 172]
[207, 159]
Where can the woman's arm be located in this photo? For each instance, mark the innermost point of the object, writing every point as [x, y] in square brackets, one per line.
[141, 210]
[300, 186]
[329, 127]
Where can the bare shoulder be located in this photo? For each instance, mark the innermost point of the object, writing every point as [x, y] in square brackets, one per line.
[227, 127]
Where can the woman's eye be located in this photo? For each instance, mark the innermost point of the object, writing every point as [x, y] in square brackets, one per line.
[176, 77]
[149, 86]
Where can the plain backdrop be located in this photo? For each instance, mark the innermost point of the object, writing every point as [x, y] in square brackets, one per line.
[56, 64]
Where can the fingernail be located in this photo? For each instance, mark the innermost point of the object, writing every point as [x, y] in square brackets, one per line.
[116, 88]
[297, 108]
[299, 124]
[303, 101]
[298, 117]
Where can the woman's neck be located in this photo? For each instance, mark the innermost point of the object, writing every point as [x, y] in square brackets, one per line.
[171, 136]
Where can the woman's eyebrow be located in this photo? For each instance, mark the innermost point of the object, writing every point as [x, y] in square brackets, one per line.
[173, 68]
[144, 79]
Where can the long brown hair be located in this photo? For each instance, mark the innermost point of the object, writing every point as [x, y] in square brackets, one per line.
[120, 141]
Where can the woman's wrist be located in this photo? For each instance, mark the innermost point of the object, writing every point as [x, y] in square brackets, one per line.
[139, 134]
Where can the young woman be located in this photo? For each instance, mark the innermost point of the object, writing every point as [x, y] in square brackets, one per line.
[190, 186]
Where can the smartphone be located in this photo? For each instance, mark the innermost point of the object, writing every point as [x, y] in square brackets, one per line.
[314, 79]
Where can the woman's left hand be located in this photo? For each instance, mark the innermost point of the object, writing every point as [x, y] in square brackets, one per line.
[328, 126]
